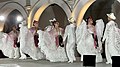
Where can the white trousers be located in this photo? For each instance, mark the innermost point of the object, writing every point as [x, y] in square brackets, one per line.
[110, 51]
[70, 51]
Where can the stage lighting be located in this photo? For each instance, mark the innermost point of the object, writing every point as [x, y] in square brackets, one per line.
[118, 0]
[19, 18]
[2, 18]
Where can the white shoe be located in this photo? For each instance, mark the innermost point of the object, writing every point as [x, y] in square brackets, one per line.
[74, 59]
[52, 61]
[108, 63]
[22, 58]
[16, 57]
[70, 61]
[11, 57]
[35, 59]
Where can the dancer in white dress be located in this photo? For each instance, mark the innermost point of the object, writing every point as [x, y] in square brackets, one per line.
[14, 35]
[5, 47]
[87, 41]
[34, 31]
[27, 44]
[50, 27]
[111, 38]
[51, 46]
[9, 45]
[69, 35]
[99, 32]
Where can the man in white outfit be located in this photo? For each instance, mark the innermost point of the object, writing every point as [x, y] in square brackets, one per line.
[70, 36]
[21, 39]
[109, 38]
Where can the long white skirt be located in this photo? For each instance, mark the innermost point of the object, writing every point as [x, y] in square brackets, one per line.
[48, 47]
[7, 46]
[86, 47]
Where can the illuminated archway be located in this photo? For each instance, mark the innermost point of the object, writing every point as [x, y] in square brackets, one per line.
[53, 11]
[80, 10]
[12, 20]
[41, 5]
[83, 10]
[7, 8]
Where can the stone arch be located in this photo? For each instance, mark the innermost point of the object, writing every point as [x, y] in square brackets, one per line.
[8, 7]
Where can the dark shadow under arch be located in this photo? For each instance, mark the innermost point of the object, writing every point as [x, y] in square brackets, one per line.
[99, 9]
[11, 20]
[53, 11]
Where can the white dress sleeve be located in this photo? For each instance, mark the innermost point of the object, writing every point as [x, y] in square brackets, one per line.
[99, 28]
[80, 30]
[99, 31]
[80, 37]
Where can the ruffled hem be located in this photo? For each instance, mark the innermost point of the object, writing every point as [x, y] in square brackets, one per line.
[58, 55]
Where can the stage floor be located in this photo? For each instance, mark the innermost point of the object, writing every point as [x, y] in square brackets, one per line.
[5, 62]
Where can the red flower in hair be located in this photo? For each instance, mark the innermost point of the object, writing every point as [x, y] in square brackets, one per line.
[90, 17]
[34, 22]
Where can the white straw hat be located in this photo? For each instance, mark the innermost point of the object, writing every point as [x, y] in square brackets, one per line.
[112, 16]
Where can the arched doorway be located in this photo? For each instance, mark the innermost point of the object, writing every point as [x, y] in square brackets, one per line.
[80, 9]
[99, 9]
[53, 11]
[7, 8]
[11, 20]
[40, 7]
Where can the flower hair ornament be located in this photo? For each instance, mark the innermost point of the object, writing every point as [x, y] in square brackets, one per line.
[52, 20]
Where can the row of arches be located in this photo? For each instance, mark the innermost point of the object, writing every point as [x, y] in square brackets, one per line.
[44, 10]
